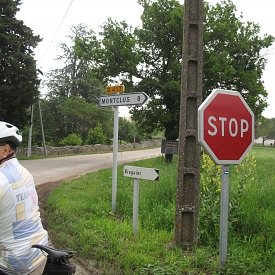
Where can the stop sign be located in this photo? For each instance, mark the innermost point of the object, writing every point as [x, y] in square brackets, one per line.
[226, 126]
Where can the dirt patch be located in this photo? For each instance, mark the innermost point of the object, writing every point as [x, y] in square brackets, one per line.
[43, 191]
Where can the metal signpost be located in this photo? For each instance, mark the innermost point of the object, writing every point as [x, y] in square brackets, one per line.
[115, 150]
[139, 173]
[115, 100]
[226, 131]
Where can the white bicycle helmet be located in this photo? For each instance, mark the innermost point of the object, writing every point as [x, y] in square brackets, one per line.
[8, 132]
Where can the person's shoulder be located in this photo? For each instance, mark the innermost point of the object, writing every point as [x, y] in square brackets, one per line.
[3, 177]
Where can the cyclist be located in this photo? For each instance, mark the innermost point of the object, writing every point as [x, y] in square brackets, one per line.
[20, 223]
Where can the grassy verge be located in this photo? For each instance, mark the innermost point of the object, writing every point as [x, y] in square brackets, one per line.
[79, 216]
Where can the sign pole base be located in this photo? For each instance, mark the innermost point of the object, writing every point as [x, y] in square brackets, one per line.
[224, 215]
[135, 206]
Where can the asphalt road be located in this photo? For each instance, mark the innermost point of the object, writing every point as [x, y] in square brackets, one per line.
[65, 168]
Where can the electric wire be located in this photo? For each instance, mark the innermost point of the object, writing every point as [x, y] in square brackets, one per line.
[56, 31]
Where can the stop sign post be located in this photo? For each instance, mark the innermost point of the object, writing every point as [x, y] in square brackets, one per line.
[226, 131]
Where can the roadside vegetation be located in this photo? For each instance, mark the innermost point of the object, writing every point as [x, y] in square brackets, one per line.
[79, 216]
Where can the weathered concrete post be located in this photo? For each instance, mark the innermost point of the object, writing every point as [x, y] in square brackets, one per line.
[187, 197]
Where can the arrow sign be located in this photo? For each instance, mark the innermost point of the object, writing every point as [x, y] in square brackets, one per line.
[123, 99]
[141, 173]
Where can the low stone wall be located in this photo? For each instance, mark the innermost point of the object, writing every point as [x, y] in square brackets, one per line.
[87, 148]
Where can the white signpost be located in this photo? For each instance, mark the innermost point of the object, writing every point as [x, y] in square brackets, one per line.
[115, 100]
[139, 173]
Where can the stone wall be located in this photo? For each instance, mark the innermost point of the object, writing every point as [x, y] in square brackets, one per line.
[87, 148]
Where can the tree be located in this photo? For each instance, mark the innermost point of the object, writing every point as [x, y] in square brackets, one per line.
[18, 75]
[266, 128]
[232, 59]
[127, 131]
[79, 116]
[152, 55]
[123, 129]
[96, 135]
[73, 79]
[74, 115]
[71, 104]
[233, 55]
[113, 57]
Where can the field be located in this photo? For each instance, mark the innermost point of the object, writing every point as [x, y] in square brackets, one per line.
[79, 216]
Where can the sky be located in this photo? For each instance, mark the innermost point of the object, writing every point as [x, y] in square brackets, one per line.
[52, 20]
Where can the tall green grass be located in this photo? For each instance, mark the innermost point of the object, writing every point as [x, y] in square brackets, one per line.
[79, 217]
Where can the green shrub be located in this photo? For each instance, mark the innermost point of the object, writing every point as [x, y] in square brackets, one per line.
[96, 135]
[210, 197]
[72, 139]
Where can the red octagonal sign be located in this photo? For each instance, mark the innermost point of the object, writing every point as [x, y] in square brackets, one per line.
[226, 126]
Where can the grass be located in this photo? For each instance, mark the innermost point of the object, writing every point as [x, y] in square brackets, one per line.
[79, 217]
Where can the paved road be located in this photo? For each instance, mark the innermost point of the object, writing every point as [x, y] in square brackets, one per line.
[66, 168]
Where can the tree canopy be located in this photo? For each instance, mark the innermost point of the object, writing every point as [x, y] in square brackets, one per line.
[234, 55]
[148, 59]
[73, 79]
[71, 104]
[18, 75]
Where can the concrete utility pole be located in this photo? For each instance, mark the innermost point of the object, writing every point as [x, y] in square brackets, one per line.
[188, 186]
[41, 124]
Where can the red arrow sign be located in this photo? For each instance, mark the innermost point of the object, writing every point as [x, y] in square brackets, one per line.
[226, 126]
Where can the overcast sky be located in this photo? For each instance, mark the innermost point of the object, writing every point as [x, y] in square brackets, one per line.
[52, 19]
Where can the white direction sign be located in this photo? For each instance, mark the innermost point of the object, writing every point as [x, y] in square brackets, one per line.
[123, 99]
[141, 172]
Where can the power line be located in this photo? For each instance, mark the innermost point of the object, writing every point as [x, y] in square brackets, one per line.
[56, 31]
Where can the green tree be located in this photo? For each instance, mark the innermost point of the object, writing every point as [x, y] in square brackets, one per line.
[233, 55]
[53, 122]
[124, 129]
[114, 56]
[75, 115]
[266, 128]
[72, 98]
[127, 131]
[18, 75]
[78, 116]
[96, 135]
[149, 55]
[73, 79]
[233, 59]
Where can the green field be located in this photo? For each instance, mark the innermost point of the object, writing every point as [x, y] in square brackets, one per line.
[79, 216]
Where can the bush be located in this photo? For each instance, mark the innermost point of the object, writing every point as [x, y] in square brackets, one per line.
[96, 136]
[72, 139]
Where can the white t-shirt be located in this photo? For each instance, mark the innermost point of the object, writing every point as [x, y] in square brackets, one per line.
[20, 223]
